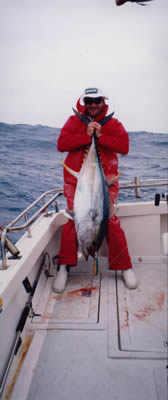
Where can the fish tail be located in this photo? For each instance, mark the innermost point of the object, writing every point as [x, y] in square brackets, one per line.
[95, 265]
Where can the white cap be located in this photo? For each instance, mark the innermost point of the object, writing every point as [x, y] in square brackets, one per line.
[92, 92]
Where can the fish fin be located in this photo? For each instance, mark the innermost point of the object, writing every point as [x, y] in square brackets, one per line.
[105, 119]
[80, 255]
[69, 214]
[84, 119]
[111, 181]
[85, 253]
[113, 209]
[74, 173]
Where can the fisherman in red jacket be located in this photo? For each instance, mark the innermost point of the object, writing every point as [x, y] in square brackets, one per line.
[75, 138]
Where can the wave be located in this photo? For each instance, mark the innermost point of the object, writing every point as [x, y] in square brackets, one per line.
[32, 165]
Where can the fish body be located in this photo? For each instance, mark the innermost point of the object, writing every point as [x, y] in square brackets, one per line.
[91, 203]
[91, 200]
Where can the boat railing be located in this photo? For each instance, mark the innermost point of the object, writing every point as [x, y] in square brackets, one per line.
[6, 243]
[138, 184]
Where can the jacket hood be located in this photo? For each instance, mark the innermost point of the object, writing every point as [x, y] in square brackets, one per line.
[82, 110]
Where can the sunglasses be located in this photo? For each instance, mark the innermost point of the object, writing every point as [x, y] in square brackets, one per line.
[91, 100]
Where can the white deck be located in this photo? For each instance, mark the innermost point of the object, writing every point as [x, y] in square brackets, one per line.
[98, 339]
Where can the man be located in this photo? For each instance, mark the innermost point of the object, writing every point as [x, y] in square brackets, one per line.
[75, 138]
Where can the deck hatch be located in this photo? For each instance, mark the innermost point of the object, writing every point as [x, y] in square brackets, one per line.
[142, 313]
[79, 303]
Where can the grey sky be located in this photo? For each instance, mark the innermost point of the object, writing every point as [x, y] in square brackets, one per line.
[51, 50]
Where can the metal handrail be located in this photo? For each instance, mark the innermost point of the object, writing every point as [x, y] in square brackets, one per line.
[147, 183]
[11, 227]
[138, 184]
[41, 197]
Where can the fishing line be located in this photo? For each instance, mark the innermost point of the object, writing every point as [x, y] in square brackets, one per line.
[95, 265]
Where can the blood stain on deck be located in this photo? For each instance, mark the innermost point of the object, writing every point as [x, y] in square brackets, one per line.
[126, 318]
[160, 299]
[146, 311]
[76, 292]
[82, 291]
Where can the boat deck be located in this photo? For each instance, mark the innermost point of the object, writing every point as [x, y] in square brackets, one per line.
[98, 339]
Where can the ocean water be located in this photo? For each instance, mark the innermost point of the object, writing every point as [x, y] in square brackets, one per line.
[31, 165]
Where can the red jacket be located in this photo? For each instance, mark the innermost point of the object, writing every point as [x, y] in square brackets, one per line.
[74, 140]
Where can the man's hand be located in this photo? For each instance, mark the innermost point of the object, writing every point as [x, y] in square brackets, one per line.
[94, 127]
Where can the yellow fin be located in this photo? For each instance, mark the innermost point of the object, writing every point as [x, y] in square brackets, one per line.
[111, 181]
[74, 173]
